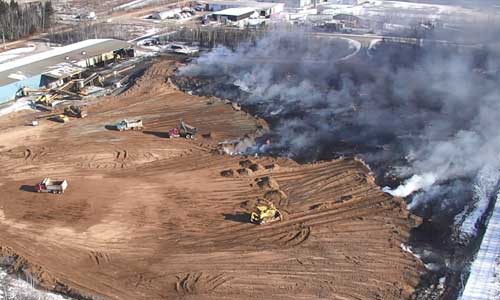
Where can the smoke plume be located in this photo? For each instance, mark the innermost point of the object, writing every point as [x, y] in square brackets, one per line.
[429, 114]
[415, 183]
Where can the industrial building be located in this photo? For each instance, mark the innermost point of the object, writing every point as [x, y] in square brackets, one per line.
[54, 67]
[175, 13]
[234, 14]
[265, 9]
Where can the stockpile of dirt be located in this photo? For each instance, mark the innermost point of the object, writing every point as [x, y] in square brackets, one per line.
[267, 183]
[146, 217]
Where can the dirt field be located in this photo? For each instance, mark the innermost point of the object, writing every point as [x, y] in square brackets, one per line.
[146, 217]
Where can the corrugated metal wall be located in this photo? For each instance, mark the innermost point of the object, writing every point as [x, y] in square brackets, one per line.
[89, 62]
[8, 92]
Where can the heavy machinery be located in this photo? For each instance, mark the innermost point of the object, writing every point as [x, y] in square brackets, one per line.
[129, 125]
[75, 111]
[266, 213]
[25, 91]
[183, 130]
[45, 100]
[61, 119]
[52, 186]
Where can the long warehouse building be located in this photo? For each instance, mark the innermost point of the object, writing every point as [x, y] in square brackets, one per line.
[54, 67]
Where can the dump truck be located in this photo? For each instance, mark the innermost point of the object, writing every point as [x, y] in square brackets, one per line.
[52, 186]
[61, 119]
[183, 130]
[129, 125]
[75, 111]
[265, 213]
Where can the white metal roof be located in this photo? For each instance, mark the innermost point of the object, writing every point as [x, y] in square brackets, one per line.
[235, 11]
[56, 58]
[261, 5]
[48, 54]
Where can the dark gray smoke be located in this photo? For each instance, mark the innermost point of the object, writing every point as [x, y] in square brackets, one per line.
[426, 114]
[426, 118]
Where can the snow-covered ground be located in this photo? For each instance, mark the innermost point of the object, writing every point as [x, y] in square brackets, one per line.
[484, 279]
[354, 45]
[14, 53]
[134, 4]
[14, 288]
[485, 188]
[14, 106]
[148, 34]
[389, 10]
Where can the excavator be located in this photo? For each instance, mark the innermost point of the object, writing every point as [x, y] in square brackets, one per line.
[266, 213]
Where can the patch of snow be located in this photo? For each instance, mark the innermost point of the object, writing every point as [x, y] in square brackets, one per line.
[14, 106]
[11, 54]
[485, 187]
[15, 288]
[354, 45]
[17, 76]
[21, 50]
[133, 4]
[402, 10]
[484, 281]
[149, 33]
[140, 53]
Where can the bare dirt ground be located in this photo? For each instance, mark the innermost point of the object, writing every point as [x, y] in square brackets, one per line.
[146, 217]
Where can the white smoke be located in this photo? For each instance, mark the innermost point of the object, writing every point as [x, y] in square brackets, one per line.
[413, 184]
[430, 114]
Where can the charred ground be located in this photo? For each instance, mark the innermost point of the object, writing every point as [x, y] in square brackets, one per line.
[406, 109]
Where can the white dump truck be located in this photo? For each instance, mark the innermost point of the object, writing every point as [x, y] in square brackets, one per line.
[52, 186]
[129, 125]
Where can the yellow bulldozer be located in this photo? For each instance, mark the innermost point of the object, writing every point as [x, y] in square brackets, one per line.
[266, 213]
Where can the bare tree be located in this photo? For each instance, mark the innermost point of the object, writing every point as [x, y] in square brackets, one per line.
[20, 20]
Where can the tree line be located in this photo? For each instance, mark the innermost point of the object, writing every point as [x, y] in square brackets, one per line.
[20, 20]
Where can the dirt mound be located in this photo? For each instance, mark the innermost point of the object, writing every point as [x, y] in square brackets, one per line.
[271, 167]
[267, 183]
[227, 173]
[255, 167]
[276, 196]
[245, 172]
[246, 163]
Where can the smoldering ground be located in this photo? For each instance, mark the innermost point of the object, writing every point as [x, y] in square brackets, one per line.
[407, 110]
[424, 118]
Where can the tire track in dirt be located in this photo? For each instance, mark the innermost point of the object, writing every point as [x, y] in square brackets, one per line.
[168, 225]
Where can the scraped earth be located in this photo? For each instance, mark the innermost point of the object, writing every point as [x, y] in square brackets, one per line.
[147, 217]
